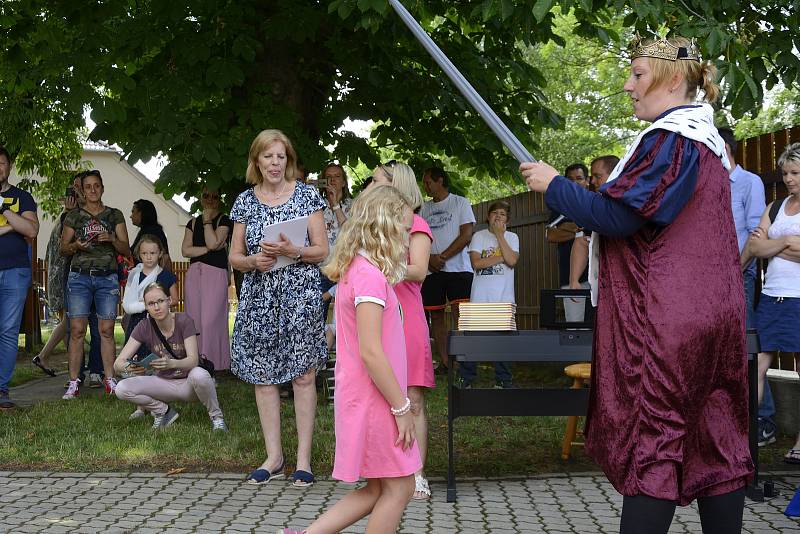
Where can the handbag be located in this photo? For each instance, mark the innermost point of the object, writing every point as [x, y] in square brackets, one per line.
[202, 361]
[124, 266]
[563, 232]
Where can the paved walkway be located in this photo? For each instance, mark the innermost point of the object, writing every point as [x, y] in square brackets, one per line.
[146, 503]
[45, 389]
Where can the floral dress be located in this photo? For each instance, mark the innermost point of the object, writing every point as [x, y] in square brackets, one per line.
[279, 332]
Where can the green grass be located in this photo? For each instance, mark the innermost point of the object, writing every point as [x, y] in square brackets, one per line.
[94, 434]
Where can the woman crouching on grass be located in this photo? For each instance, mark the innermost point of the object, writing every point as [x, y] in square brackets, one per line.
[172, 338]
[373, 420]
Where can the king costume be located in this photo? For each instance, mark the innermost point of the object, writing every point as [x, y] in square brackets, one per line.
[668, 409]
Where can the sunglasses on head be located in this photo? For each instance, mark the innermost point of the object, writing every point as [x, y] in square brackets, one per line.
[386, 168]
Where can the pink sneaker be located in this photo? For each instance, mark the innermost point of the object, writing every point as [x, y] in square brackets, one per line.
[290, 531]
[111, 385]
[72, 390]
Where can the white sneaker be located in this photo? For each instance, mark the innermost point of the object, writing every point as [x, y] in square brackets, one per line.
[218, 424]
[95, 380]
[138, 413]
[72, 390]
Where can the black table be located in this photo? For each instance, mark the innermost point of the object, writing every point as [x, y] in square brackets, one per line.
[536, 346]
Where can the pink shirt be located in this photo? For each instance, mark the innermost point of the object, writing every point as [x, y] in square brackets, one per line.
[415, 324]
[365, 428]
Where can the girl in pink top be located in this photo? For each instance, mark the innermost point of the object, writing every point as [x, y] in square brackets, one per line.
[415, 325]
[373, 421]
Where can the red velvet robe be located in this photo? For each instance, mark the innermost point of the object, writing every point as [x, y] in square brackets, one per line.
[668, 414]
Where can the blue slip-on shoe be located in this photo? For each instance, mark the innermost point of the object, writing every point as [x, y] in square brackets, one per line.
[793, 509]
[262, 476]
[302, 479]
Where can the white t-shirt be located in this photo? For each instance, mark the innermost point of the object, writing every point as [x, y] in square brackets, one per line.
[445, 218]
[783, 276]
[495, 283]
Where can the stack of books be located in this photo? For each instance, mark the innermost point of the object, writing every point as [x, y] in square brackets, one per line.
[487, 316]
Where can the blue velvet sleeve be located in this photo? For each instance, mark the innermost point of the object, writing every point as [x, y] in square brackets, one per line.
[655, 185]
[591, 210]
[660, 177]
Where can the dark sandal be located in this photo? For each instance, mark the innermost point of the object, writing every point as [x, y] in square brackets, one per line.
[262, 476]
[38, 363]
[302, 479]
[792, 457]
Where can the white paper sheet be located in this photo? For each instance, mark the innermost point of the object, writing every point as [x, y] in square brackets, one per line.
[295, 231]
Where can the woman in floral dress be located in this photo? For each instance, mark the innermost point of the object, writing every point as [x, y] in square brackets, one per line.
[279, 335]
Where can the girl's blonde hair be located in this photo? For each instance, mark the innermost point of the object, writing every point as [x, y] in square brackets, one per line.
[375, 224]
[262, 141]
[403, 179]
[698, 74]
[149, 238]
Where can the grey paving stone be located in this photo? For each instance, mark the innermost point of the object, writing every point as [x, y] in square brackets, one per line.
[198, 502]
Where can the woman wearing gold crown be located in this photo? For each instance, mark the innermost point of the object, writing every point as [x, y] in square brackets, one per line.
[668, 417]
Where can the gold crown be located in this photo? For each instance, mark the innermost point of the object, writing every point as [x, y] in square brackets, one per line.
[663, 49]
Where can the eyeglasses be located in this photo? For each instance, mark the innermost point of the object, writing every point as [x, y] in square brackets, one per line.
[156, 303]
[389, 165]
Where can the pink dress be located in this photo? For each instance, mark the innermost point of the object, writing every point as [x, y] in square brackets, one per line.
[365, 428]
[415, 326]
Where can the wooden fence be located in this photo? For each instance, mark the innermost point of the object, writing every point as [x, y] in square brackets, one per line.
[760, 156]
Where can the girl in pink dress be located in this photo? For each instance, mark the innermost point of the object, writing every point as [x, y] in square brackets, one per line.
[373, 421]
[415, 325]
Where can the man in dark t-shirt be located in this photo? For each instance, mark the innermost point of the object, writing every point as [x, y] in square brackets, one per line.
[18, 225]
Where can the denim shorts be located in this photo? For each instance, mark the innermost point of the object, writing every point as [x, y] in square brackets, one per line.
[83, 289]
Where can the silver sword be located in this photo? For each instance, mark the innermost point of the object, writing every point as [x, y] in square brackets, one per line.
[488, 115]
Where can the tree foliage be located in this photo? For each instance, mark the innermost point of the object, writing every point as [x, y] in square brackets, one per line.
[584, 84]
[196, 79]
[783, 111]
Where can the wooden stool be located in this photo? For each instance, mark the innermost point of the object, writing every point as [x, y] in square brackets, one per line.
[580, 373]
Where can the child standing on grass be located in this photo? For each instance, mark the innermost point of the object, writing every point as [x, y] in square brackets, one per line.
[373, 420]
[149, 250]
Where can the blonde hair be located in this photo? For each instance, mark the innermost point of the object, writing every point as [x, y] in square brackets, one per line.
[403, 179]
[149, 238]
[791, 154]
[698, 74]
[375, 224]
[262, 141]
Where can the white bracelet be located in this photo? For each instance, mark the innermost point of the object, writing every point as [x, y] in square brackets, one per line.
[336, 207]
[401, 411]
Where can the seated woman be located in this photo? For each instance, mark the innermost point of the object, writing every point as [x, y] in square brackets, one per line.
[173, 339]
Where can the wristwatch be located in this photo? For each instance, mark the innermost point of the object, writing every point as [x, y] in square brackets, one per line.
[299, 255]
